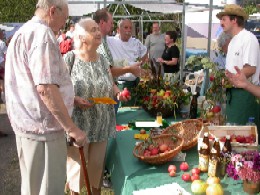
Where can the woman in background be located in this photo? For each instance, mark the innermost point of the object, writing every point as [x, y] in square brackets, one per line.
[170, 57]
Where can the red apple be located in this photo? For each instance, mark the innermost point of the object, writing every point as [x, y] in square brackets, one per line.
[184, 166]
[150, 147]
[241, 139]
[216, 109]
[172, 168]
[186, 177]
[154, 151]
[163, 147]
[211, 78]
[172, 173]
[126, 93]
[195, 171]
[195, 177]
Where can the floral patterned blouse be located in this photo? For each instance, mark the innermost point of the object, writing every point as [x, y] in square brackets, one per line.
[92, 79]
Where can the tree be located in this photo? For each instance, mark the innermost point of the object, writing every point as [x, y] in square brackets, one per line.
[16, 10]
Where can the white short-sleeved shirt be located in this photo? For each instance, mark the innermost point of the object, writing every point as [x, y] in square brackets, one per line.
[130, 51]
[33, 58]
[244, 49]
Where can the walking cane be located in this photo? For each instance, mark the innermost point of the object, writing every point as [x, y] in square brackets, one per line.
[83, 164]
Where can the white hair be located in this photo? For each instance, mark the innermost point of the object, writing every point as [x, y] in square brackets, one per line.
[80, 30]
[46, 4]
[223, 38]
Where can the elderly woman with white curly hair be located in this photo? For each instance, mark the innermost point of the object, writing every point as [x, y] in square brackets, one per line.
[222, 41]
[91, 77]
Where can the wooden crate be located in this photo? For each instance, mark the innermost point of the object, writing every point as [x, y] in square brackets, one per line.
[221, 131]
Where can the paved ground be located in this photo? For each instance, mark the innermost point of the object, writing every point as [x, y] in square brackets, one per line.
[10, 178]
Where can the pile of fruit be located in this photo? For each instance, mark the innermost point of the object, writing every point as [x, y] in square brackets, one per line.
[155, 149]
[211, 186]
[248, 139]
[240, 139]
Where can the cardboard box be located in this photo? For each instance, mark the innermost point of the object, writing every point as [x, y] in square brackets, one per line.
[222, 131]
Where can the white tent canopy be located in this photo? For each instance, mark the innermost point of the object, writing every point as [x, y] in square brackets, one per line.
[83, 7]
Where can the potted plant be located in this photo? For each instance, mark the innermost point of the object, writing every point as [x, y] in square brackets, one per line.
[246, 166]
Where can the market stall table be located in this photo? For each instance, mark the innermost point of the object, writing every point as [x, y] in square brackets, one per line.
[128, 174]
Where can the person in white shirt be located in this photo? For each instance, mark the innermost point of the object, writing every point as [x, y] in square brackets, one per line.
[40, 99]
[127, 49]
[70, 32]
[243, 52]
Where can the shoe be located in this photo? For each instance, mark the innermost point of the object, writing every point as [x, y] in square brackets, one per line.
[106, 179]
[107, 183]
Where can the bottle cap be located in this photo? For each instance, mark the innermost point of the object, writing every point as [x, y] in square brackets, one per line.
[251, 119]
[228, 136]
[206, 134]
[216, 139]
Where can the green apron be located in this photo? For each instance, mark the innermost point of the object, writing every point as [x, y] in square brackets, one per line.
[240, 106]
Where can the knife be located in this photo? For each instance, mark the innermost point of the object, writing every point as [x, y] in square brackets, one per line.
[102, 100]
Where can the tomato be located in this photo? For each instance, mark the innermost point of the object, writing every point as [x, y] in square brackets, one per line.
[172, 168]
[184, 166]
[186, 177]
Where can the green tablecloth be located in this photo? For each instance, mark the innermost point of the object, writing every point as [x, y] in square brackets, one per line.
[129, 174]
[127, 114]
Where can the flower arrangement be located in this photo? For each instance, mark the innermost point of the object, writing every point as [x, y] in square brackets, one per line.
[245, 166]
[157, 94]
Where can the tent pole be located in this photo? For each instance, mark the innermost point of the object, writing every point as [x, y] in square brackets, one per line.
[210, 27]
[183, 46]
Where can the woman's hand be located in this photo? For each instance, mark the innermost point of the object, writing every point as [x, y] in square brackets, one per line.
[122, 97]
[82, 103]
[160, 60]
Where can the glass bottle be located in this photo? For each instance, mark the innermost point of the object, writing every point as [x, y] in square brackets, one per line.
[225, 156]
[214, 158]
[193, 106]
[251, 121]
[204, 153]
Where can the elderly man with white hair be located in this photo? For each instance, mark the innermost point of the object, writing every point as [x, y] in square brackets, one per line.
[39, 100]
[129, 50]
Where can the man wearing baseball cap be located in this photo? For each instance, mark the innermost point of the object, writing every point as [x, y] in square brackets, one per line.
[243, 52]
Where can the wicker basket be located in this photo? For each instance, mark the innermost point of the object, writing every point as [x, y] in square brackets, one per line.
[188, 130]
[160, 158]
